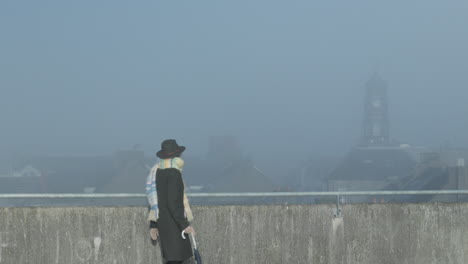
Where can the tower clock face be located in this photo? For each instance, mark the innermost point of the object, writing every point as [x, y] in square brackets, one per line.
[376, 103]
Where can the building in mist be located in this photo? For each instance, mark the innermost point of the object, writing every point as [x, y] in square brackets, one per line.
[122, 172]
[443, 169]
[311, 175]
[226, 169]
[371, 168]
[70, 174]
[377, 161]
[20, 178]
[130, 168]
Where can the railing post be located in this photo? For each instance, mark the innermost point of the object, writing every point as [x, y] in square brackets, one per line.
[338, 212]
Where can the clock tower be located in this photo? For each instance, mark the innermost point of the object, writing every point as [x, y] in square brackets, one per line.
[376, 127]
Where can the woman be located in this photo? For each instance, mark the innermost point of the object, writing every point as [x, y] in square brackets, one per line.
[170, 214]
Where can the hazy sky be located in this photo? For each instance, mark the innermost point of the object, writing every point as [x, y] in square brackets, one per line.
[285, 77]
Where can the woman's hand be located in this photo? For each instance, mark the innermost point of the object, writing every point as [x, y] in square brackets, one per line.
[189, 230]
[154, 233]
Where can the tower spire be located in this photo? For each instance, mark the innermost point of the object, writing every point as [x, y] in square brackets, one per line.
[376, 127]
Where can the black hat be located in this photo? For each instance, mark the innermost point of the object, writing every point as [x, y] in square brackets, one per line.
[170, 149]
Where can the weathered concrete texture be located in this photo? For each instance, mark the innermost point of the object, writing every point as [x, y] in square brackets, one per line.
[75, 235]
[367, 234]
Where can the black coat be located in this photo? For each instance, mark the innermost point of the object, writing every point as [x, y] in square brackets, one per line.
[172, 218]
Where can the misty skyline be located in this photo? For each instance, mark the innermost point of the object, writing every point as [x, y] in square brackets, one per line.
[285, 78]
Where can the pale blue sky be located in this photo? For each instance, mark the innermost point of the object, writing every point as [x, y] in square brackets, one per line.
[90, 77]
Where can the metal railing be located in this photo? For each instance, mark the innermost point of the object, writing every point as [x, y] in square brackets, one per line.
[336, 213]
[244, 194]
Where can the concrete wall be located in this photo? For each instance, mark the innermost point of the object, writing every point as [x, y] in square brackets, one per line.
[367, 234]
